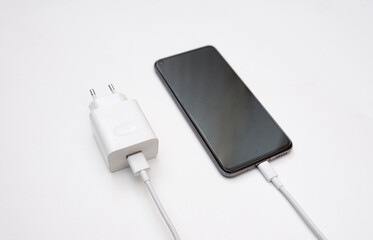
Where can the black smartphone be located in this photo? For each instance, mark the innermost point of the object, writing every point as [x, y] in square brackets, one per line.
[236, 129]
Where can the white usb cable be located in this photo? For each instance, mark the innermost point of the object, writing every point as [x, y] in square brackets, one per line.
[139, 167]
[125, 139]
[271, 176]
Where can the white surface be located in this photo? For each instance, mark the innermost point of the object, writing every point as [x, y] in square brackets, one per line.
[309, 63]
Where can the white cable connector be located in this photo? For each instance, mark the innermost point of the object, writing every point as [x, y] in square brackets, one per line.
[271, 176]
[125, 139]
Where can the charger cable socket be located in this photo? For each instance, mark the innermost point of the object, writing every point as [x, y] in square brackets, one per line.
[125, 139]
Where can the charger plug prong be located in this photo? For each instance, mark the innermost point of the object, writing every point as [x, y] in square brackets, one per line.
[93, 93]
[111, 87]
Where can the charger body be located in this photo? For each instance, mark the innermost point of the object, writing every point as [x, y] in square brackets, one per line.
[121, 129]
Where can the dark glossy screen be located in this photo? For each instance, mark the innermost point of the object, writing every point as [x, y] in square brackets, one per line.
[231, 121]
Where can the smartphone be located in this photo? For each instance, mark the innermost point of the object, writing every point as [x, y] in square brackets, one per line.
[233, 125]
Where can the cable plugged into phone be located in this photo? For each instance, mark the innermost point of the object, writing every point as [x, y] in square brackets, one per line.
[125, 139]
[271, 176]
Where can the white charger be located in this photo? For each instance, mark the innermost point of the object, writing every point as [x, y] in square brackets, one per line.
[120, 129]
[125, 139]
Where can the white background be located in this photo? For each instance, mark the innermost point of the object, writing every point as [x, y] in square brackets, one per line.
[308, 62]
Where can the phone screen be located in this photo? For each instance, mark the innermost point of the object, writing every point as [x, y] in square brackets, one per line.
[237, 129]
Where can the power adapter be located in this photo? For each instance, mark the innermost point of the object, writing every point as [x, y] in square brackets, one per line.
[120, 129]
[125, 139]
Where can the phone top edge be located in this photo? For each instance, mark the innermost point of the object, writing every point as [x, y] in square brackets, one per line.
[182, 53]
